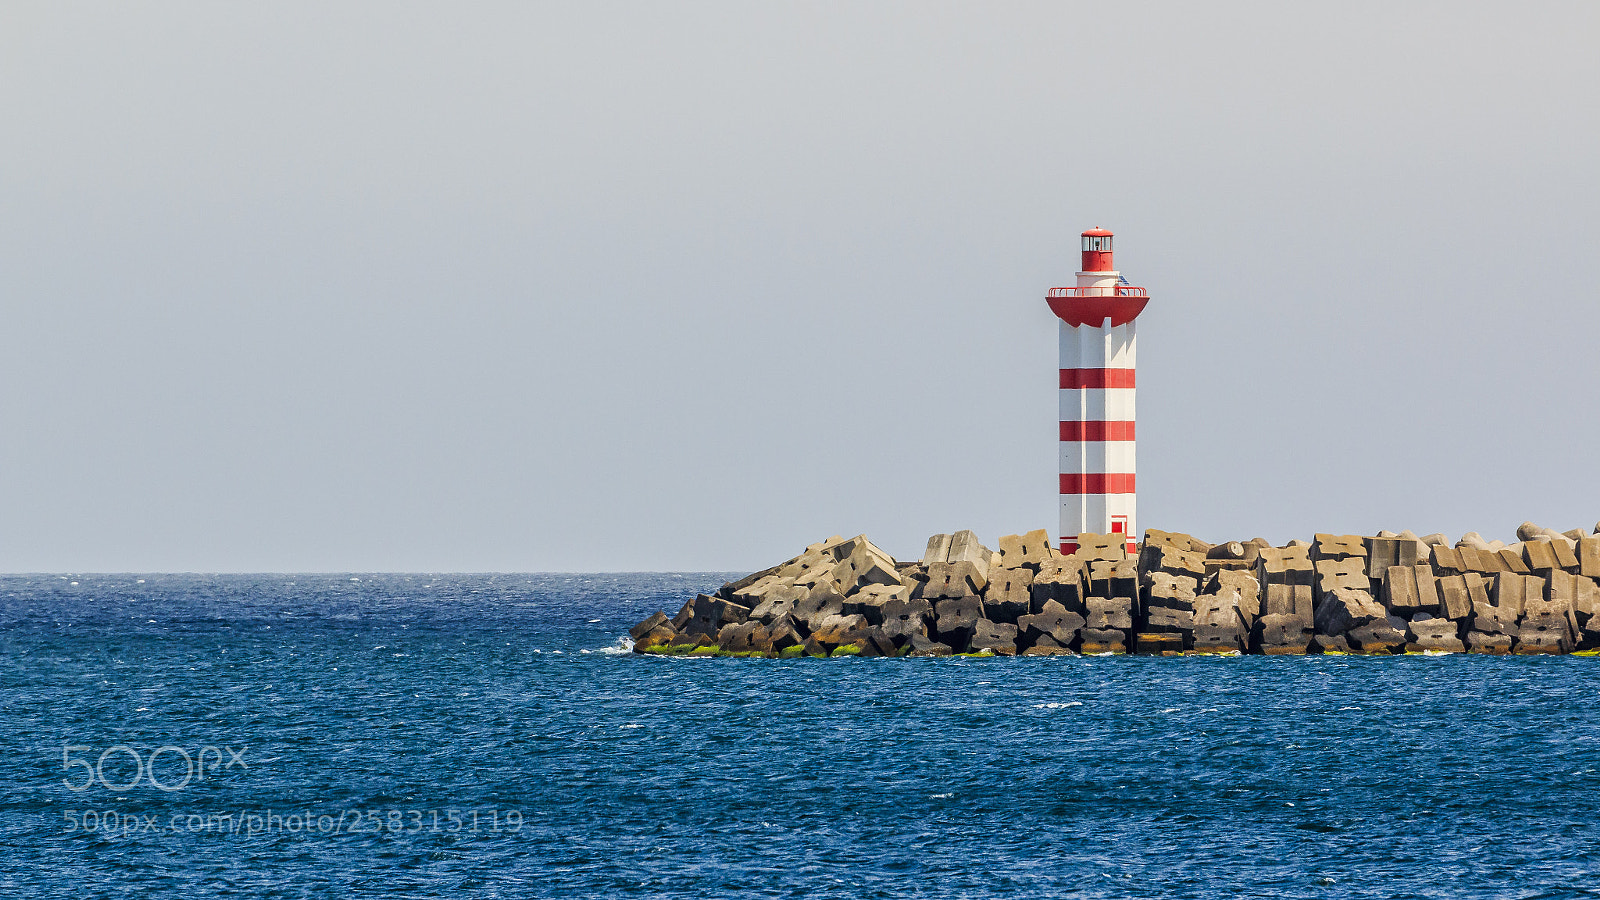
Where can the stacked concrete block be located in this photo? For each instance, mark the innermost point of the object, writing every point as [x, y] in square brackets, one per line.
[1119, 578]
[1586, 611]
[1455, 600]
[1495, 616]
[1064, 581]
[999, 638]
[955, 620]
[654, 631]
[870, 599]
[1426, 633]
[903, 617]
[1353, 614]
[1589, 557]
[1092, 547]
[1169, 609]
[1224, 612]
[1287, 608]
[1031, 551]
[1008, 595]
[865, 565]
[1158, 644]
[1384, 553]
[709, 614]
[1548, 555]
[1051, 631]
[1113, 582]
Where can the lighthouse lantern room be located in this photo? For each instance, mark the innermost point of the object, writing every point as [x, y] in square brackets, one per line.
[1098, 345]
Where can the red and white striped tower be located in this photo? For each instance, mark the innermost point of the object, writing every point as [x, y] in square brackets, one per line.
[1097, 382]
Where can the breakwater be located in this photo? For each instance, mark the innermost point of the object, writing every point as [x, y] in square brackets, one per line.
[1388, 593]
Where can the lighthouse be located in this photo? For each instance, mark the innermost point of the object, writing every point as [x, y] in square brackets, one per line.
[1098, 346]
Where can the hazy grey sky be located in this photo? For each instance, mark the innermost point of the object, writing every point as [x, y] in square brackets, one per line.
[588, 286]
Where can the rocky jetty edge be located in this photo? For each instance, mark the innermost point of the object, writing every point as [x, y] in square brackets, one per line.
[1392, 593]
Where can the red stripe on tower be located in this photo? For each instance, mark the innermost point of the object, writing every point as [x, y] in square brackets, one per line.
[1098, 483]
[1076, 379]
[1096, 431]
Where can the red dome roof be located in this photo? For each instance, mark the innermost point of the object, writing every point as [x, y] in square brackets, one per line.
[1097, 232]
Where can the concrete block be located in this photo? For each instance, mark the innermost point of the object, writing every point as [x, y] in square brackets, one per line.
[1544, 628]
[865, 565]
[1176, 539]
[1103, 640]
[1106, 613]
[1212, 638]
[1044, 646]
[732, 587]
[651, 623]
[954, 620]
[1158, 644]
[806, 562]
[817, 606]
[1447, 559]
[954, 579]
[1329, 643]
[1566, 554]
[1491, 619]
[1344, 609]
[922, 645]
[1334, 573]
[1338, 546]
[1494, 644]
[1031, 550]
[1245, 592]
[745, 637]
[785, 634]
[997, 637]
[1434, 635]
[1400, 590]
[839, 629]
[1586, 601]
[1101, 546]
[869, 600]
[903, 618]
[964, 547]
[1008, 595]
[1454, 600]
[1428, 599]
[1513, 561]
[1376, 638]
[1172, 591]
[1287, 565]
[1384, 552]
[1278, 635]
[1114, 578]
[1063, 582]
[938, 550]
[1227, 550]
[752, 594]
[1589, 557]
[829, 547]
[1173, 561]
[1056, 623]
[711, 613]
[778, 603]
[1165, 620]
[1288, 599]
[1540, 556]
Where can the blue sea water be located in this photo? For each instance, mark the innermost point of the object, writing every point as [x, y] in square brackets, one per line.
[485, 735]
